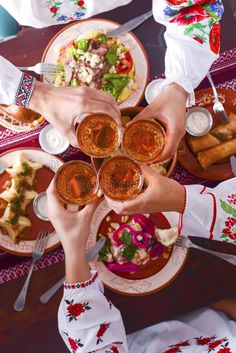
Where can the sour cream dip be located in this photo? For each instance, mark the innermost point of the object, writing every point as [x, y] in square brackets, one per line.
[198, 121]
[51, 141]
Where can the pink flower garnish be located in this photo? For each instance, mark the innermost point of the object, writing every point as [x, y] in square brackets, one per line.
[156, 250]
[128, 267]
[145, 223]
[141, 239]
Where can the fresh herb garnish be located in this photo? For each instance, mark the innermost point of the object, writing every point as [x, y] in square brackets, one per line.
[126, 238]
[26, 169]
[104, 251]
[129, 251]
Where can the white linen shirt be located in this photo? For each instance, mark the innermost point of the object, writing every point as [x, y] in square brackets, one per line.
[192, 36]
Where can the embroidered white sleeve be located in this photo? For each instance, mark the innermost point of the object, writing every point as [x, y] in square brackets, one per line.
[42, 13]
[10, 78]
[192, 39]
[211, 213]
[88, 321]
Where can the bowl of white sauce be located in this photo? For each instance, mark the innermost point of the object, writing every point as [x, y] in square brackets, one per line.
[198, 121]
[51, 140]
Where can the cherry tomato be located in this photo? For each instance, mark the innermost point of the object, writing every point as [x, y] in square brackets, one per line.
[125, 65]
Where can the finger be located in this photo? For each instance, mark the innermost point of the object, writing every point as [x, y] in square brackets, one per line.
[89, 209]
[146, 113]
[171, 145]
[126, 207]
[54, 204]
[100, 96]
[101, 107]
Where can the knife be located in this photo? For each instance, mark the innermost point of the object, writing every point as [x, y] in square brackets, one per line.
[128, 26]
[45, 297]
[233, 164]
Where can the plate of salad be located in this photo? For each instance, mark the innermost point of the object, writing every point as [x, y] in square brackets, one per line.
[88, 57]
[133, 261]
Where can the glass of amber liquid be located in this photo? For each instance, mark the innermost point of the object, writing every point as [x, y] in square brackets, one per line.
[144, 140]
[98, 135]
[76, 183]
[120, 178]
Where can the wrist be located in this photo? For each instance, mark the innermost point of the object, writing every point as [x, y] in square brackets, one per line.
[39, 96]
[76, 265]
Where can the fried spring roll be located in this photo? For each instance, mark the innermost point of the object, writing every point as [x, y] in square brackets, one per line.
[212, 155]
[225, 132]
[198, 144]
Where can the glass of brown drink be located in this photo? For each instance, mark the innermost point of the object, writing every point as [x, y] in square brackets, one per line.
[98, 135]
[120, 178]
[76, 183]
[144, 140]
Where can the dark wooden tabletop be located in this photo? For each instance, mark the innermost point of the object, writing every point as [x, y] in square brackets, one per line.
[204, 279]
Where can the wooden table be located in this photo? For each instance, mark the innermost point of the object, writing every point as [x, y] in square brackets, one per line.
[204, 278]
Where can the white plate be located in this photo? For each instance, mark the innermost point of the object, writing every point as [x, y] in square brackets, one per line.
[136, 287]
[83, 28]
[24, 247]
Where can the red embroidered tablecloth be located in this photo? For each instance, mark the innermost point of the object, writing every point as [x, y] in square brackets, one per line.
[224, 75]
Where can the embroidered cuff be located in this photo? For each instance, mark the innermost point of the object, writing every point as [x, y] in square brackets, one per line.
[82, 284]
[24, 90]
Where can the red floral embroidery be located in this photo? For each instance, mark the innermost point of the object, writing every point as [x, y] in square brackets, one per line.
[203, 341]
[173, 350]
[183, 344]
[73, 344]
[215, 38]
[53, 9]
[198, 40]
[80, 3]
[232, 199]
[75, 310]
[114, 349]
[230, 229]
[177, 2]
[103, 328]
[214, 344]
[225, 350]
[191, 14]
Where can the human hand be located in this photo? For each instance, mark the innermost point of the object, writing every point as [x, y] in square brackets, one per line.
[170, 109]
[61, 105]
[162, 194]
[72, 227]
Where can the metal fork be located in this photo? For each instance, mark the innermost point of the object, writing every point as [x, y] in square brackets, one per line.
[38, 251]
[42, 68]
[184, 242]
[218, 107]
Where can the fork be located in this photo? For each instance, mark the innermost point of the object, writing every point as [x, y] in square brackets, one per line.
[42, 68]
[38, 251]
[184, 242]
[218, 107]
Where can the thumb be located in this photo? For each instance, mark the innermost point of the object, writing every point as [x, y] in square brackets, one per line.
[149, 173]
[89, 209]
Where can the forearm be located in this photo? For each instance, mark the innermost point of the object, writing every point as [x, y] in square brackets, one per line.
[76, 265]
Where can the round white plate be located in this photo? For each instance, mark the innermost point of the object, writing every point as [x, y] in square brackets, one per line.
[25, 247]
[136, 287]
[83, 28]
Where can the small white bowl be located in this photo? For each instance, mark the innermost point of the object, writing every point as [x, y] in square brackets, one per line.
[153, 89]
[208, 116]
[39, 201]
[51, 140]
